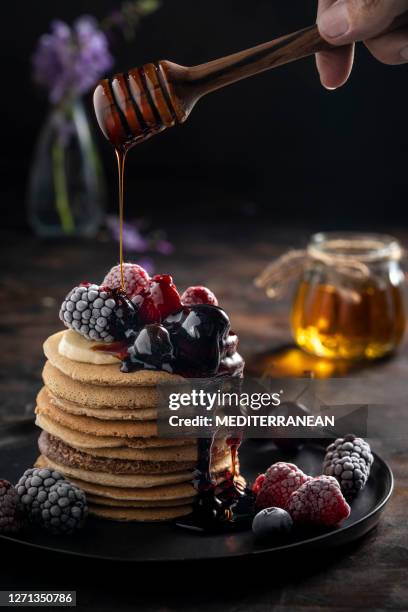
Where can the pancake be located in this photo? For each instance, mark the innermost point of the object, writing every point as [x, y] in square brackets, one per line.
[85, 441]
[97, 500]
[58, 451]
[116, 480]
[129, 480]
[97, 427]
[62, 386]
[167, 453]
[103, 375]
[45, 397]
[170, 453]
[100, 431]
[172, 492]
[139, 514]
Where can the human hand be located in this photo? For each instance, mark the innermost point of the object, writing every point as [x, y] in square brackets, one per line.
[344, 22]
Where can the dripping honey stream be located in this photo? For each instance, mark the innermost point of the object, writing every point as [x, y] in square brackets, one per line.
[121, 159]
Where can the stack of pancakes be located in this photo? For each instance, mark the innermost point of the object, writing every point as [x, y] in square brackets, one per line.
[100, 431]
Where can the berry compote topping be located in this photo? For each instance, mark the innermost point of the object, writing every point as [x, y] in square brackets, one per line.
[199, 334]
[147, 326]
[152, 348]
[158, 300]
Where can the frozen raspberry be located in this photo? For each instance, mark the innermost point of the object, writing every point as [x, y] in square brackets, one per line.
[10, 513]
[98, 313]
[280, 480]
[318, 501]
[198, 295]
[159, 300]
[136, 278]
[256, 487]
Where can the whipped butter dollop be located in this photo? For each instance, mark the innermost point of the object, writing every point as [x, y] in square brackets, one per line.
[77, 348]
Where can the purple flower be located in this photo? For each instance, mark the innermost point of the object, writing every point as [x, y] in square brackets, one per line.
[134, 241]
[70, 61]
[164, 247]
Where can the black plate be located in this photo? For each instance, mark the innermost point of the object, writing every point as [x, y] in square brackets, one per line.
[167, 542]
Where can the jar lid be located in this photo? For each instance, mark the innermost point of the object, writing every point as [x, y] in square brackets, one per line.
[334, 248]
[349, 254]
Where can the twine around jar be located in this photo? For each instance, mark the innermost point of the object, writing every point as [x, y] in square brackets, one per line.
[345, 269]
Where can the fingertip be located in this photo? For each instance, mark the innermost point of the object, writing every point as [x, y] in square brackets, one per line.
[335, 66]
[325, 73]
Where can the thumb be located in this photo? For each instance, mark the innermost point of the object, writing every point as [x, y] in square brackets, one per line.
[347, 21]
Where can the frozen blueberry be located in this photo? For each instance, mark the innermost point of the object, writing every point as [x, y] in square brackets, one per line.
[271, 522]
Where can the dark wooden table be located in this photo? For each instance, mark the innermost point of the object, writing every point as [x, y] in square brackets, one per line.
[369, 575]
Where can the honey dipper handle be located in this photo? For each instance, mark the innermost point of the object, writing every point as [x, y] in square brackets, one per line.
[226, 70]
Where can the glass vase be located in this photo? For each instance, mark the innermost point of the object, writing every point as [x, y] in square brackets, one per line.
[66, 196]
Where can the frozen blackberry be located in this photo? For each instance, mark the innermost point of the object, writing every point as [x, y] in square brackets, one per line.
[349, 460]
[98, 313]
[33, 486]
[10, 515]
[51, 501]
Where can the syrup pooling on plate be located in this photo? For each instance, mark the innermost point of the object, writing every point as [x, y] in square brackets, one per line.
[226, 504]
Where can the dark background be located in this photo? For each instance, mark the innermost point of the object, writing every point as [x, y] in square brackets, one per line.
[312, 158]
[277, 146]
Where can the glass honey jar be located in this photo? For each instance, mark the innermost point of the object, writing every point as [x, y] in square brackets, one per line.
[349, 298]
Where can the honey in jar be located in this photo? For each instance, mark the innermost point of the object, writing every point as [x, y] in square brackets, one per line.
[349, 301]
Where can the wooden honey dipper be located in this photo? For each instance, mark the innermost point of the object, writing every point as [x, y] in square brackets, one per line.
[135, 105]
